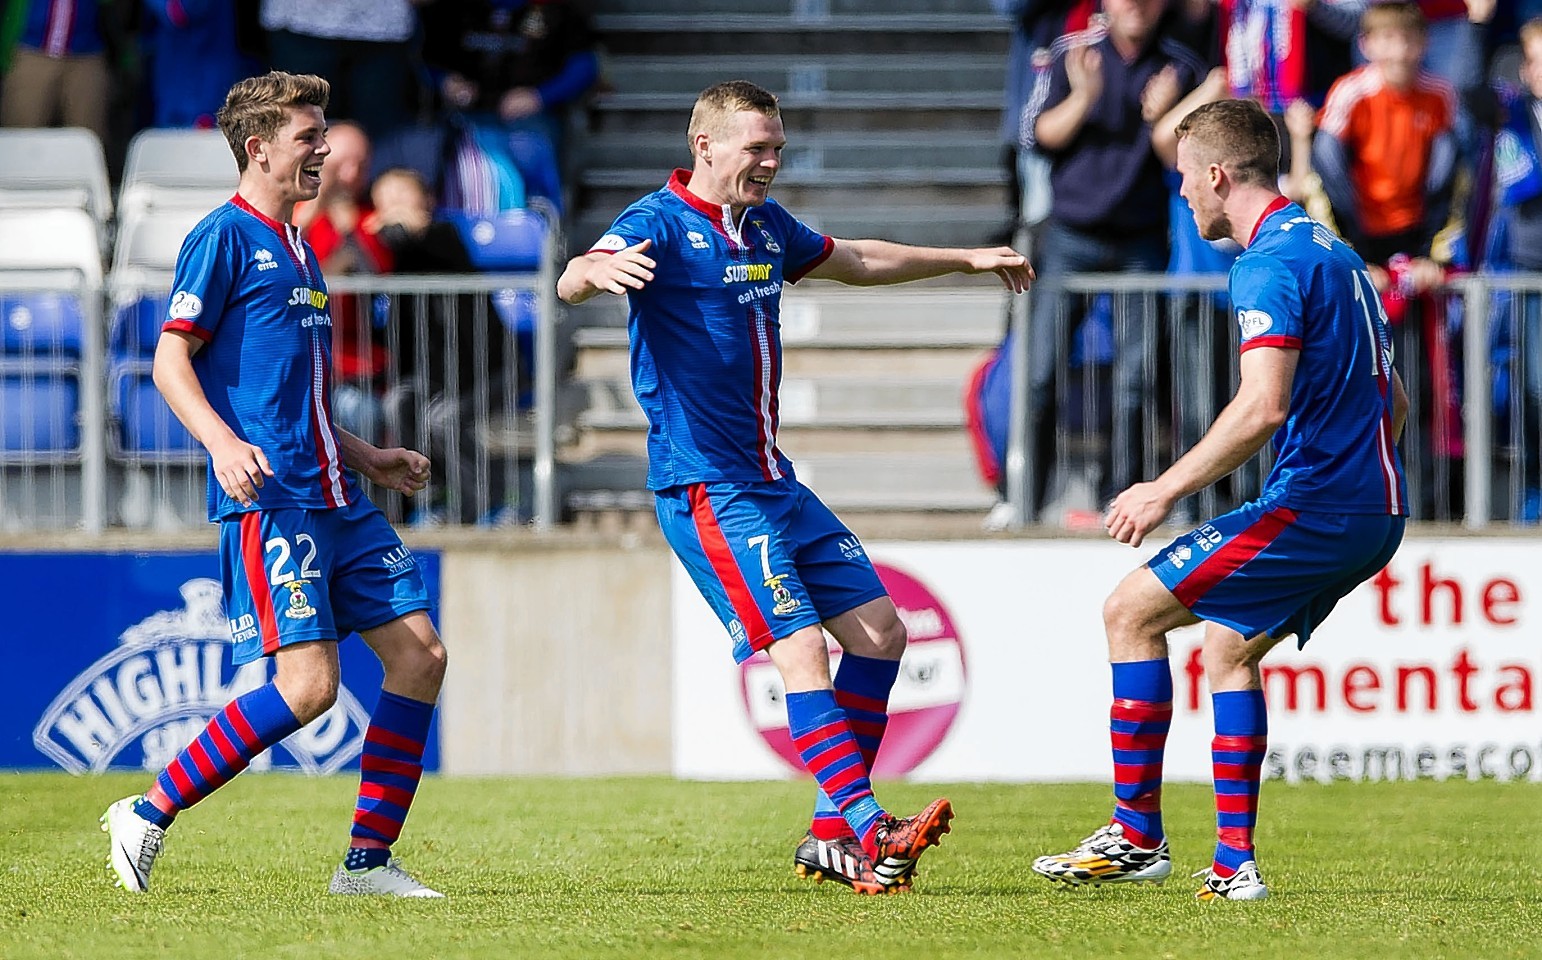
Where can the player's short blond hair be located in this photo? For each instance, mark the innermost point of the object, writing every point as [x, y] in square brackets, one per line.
[259, 107]
[1393, 16]
[1238, 135]
[720, 102]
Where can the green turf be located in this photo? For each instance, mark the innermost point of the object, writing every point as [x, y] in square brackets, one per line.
[649, 867]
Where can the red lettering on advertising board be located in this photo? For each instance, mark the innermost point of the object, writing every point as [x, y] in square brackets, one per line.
[1442, 599]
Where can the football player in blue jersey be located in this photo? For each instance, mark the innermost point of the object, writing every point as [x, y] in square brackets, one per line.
[1317, 377]
[245, 362]
[703, 261]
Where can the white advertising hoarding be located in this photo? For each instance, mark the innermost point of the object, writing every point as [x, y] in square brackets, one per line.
[1427, 670]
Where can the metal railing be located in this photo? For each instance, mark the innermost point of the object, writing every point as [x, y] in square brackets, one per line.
[1164, 361]
[86, 442]
[461, 367]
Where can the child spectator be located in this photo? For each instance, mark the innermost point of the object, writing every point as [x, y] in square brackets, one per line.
[454, 372]
[1384, 147]
[1386, 154]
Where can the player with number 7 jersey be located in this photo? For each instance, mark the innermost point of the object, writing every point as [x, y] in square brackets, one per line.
[244, 361]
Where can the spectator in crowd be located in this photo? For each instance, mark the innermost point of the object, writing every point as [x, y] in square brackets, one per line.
[1520, 197]
[1092, 115]
[1280, 51]
[363, 46]
[193, 59]
[1386, 154]
[446, 346]
[1036, 25]
[514, 69]
[58, 74]
[333, 224]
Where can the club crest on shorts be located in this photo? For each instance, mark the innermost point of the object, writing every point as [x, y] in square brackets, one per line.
[299, 603]
[785, 602]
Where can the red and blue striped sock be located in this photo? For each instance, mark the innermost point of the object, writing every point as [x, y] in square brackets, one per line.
[389, 772]
[862, 686]
[1138, 724]
[246, 727]
[830, 752]
[1237, 752]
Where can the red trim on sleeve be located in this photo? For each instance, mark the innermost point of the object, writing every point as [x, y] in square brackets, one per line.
[809, 267]
[1278, 340]
[188, 326]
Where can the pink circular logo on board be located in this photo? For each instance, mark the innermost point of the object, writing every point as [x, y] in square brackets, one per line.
[926, 696]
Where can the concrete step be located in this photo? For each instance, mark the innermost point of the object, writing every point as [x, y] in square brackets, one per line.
[914, 99]
[751, 34]
[798, 442]
[635, 181]
[824, 314]
[904, 363]
[976, 123]
[856, 402]
[804, 79]
[807, 152]
[803, 10]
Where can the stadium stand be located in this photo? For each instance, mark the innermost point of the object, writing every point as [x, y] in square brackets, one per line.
[892, 118]
[176, 169]
[55, 169]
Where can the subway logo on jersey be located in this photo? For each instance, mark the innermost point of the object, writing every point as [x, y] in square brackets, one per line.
[746, 272]
[307, 297]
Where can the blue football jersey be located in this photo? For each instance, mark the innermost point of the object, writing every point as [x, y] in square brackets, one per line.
[706, 343]
[1299, 286]
[250, 288]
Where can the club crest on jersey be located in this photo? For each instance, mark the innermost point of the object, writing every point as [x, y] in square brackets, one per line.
[746, 272]
[299, 604]
[264, 260]
[698, 242]
[156, 690]
[785, 602]
[1253, 322]
[305, 296]
[185, 306]
[770, 243]
[610, 243]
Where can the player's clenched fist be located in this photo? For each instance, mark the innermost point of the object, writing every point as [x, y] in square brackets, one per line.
[239, 467]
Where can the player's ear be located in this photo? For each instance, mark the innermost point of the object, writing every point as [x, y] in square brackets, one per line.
[256, 150]
[703, 145]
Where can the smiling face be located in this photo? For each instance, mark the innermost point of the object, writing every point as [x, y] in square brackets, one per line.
[740, 161]
[289, 166]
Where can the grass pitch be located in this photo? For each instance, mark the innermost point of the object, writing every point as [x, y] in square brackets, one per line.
[652, 867]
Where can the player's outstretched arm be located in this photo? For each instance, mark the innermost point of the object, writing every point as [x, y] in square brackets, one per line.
[594, 273]
[395, 468]
[1261, 405]
[872, 263]
[238, 466]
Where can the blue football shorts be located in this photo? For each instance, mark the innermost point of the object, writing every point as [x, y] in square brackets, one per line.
[770, 558]
[292, 575]
[1265, 569]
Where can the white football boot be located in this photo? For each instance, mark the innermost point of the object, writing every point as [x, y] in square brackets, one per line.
[135, 843]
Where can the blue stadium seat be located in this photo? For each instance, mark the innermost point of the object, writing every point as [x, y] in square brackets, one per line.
[513, 240]
[38, 413]
[518, 309]
[146, 426]
[42, 325]
[136, 327]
